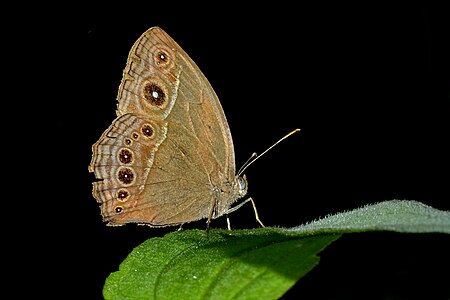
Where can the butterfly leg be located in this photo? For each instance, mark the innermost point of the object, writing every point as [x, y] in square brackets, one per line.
[254, 209]
[211, 213]
[228, 223]
[208, 223]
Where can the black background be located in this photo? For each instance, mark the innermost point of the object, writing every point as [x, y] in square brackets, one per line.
[360, 81]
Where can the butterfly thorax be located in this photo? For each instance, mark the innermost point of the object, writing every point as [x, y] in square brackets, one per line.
[227, 193]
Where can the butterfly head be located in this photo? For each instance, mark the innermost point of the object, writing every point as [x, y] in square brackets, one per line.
[242, 185]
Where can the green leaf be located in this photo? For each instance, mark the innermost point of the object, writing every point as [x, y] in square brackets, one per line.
[394, 215]
[252, 264]
[221, 264]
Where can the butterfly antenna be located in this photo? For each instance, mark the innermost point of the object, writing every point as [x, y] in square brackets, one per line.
[244, 166]
[255, 156]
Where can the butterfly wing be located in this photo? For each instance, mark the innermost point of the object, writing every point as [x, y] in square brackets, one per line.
[170, 148]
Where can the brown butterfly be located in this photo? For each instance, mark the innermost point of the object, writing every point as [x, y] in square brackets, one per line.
[168, 157]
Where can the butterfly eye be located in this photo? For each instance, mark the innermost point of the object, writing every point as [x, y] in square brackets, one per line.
[242, 183]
